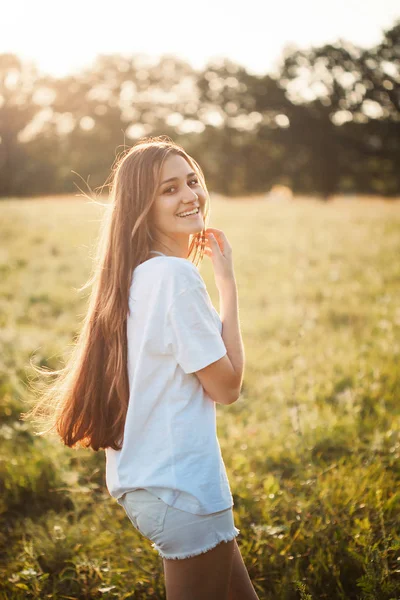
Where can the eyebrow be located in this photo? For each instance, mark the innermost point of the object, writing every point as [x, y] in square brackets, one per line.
[173, 178]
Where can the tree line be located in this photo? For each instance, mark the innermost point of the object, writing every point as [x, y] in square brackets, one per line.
[327, 122]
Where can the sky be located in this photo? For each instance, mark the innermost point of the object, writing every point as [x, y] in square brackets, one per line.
[62, 38]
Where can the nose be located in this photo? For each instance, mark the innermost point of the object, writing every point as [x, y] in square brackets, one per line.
[191, 193]
[190, 196]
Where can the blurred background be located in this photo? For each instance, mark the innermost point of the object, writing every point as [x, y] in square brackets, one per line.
[303, 95]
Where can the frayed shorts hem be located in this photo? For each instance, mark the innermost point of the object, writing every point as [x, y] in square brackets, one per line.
[175, 533]
[181, 555]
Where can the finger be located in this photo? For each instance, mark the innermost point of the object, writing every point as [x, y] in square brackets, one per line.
[213, 242]
[214, 233]
[214, 230]
[218, 234]
[204, 243]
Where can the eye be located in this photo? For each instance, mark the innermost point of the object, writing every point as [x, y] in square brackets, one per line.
[169, 190]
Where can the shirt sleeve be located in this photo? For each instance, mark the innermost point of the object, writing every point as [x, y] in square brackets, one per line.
[194, 335]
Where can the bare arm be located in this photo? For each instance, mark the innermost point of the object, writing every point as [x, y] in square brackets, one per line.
[223, 379]
[231, 333]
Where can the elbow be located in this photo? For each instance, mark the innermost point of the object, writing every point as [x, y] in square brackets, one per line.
[227, 397]
[234, 395]
[236, 389]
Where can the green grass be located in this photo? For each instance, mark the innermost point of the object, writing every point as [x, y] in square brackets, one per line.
[311, 448]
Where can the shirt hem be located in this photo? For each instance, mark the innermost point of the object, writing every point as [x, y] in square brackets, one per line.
[176, 501]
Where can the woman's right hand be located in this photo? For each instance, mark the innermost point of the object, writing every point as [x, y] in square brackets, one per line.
[219, 250]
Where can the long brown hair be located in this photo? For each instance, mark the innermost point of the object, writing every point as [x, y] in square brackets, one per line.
[87, 403]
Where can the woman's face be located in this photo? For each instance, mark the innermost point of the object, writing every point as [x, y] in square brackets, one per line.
[179, 192]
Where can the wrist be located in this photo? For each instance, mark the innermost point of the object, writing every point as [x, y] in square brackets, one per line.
[226, 284]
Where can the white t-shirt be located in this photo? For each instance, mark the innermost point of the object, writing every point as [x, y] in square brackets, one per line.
[170, 442]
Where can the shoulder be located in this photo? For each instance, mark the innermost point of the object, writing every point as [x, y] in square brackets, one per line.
[180, 273]
[167, 277]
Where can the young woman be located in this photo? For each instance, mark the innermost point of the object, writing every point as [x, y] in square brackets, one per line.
[152, 359]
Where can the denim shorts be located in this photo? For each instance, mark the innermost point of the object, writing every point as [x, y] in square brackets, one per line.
[176, 533]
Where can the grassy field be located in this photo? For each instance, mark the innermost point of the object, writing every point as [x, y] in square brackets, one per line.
[311, 448]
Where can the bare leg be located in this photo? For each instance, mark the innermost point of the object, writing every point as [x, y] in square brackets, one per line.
[241, 587]
[203, 577]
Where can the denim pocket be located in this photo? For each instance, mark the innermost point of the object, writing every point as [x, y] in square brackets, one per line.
[146, 512]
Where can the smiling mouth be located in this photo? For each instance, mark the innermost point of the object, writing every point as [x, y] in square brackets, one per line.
[190, 214]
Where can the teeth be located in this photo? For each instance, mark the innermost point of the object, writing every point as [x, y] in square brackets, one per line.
[192, 212]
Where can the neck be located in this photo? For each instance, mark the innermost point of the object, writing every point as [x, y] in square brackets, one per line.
[176, 247]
